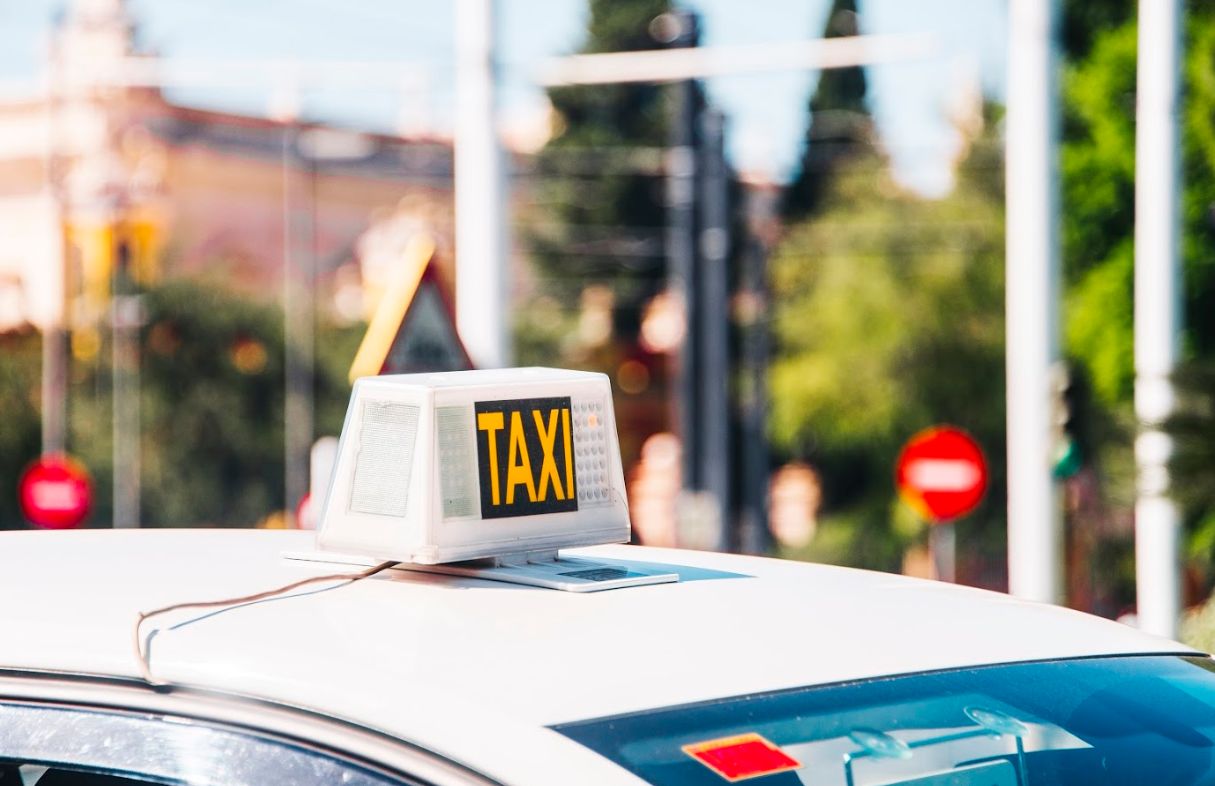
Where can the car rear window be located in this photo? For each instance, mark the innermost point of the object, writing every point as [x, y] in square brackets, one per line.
[1122, 720]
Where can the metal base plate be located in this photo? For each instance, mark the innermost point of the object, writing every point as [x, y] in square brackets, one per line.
[549, 570]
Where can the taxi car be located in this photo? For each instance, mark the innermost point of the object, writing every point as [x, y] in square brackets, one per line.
[211, 657]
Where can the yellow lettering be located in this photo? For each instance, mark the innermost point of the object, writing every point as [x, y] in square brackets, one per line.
[569, 454]
[492, 423]
[518, 472]
[548, 467]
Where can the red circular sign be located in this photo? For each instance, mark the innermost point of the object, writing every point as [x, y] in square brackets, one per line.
[941, 473]
[55, 492]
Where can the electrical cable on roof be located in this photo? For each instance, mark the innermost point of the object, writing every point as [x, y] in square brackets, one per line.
[145, 667]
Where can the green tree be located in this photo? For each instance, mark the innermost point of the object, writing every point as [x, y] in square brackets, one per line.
[1098, 219]
[599, 198]
[888, 319]
[20, 401]
[1083, 21]
[211, 406]
[1098, 182]
[840, 125]
[595, 226]
[1098, 168]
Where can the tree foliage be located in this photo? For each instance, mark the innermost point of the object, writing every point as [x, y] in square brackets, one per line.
[889, 319]
[599, 191]
[215, 444]
[1098, 172]
[1098, 169]
[1083, 21]
[865, 333]
[20, 401]
[595, 225]
[840, 126]
[211, 408]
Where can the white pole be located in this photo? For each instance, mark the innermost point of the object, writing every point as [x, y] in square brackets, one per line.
[55, 326]
[1032, 307]
[481, 242]
[1157, 312]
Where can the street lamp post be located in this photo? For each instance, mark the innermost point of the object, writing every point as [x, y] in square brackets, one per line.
[1157, 312]
[1035, 528]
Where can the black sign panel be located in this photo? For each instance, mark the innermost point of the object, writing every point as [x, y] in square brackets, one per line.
[525, 457]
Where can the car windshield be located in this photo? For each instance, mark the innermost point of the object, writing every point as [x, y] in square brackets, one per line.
[1122, 720]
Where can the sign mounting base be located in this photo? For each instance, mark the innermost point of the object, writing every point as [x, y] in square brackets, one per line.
[548, 570]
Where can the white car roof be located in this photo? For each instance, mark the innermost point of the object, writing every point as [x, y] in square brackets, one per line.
[433, 658]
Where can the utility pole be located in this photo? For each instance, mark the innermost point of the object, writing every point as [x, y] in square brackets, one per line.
[1035, 530]
[54, 366]
[1157, 312]
[679, 30]
[481, 226]
[754, 536]
[126, 318]
[713, 328]
[54, 331]
[697, 386]
[299, 341]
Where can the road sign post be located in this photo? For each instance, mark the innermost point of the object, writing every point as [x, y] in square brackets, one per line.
[942, 475]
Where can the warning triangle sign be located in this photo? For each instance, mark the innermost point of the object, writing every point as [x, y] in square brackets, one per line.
[427, 340]
[414, 329]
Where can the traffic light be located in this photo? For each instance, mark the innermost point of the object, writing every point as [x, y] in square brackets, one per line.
[142, 233]
[1067, 457]
[90, 247]
[100, 251]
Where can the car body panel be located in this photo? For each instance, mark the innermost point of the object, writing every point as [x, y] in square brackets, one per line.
[478, 670]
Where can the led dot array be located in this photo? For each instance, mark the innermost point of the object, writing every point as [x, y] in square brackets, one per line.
[591, 454]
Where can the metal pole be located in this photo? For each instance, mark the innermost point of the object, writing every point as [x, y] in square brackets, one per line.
[298, 320]
[713, 451]
[481, 233]
[1157, 312]
[126, 316]
[55, 359]
[943, 546]
[1032, 308]
[754, 535]
[681, 255]
[54, 337]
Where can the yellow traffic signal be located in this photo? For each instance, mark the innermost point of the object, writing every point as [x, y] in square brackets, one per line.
[142, 234]
[96, 251]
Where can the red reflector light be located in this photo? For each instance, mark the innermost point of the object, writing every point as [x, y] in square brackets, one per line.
[742, 756]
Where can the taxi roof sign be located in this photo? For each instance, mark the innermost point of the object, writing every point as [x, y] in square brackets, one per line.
[446, 467]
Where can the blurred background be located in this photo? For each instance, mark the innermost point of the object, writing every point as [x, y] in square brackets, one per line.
[786, 269]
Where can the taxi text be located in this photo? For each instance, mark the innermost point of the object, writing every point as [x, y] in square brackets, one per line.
[525, 457]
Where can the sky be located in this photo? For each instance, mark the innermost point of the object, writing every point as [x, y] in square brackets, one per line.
[766, 113]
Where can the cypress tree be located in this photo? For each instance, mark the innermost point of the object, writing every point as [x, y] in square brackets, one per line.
[840, 124]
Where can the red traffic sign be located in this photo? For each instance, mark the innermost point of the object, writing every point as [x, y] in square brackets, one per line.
[55, 492]
[941, 473]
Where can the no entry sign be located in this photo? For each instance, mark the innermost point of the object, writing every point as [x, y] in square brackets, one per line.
[55, 493]
[941, 473]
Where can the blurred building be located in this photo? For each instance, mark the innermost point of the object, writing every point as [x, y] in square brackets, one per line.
[97, 174]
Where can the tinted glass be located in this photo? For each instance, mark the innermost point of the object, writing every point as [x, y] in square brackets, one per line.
[1132, 720]
[54, 746]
